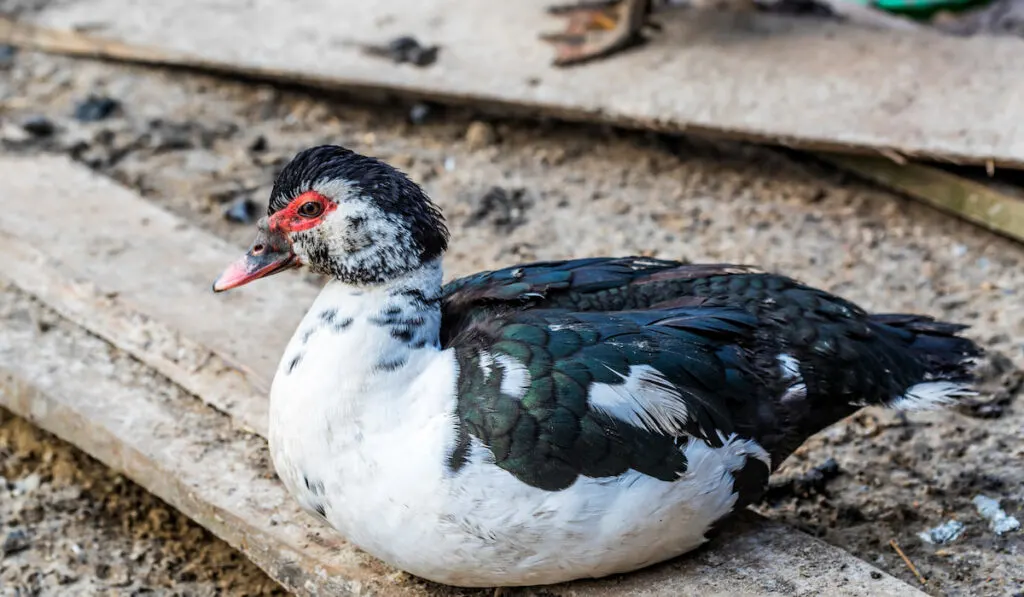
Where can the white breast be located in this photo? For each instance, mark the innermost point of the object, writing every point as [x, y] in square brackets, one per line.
[496, 530]
[370, 451]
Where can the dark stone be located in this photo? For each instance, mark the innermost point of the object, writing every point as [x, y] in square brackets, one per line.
[400, 45]
[95, 108]
[423, 56]
[407, 49]
[850, 514]
[15, 541]
[242, 211]
[39, 126]
[259, 144]
[505, 209]
[813, 482]
[7, 54]
[170, 136]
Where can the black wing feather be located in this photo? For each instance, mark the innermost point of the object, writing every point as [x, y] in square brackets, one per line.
[715, 333]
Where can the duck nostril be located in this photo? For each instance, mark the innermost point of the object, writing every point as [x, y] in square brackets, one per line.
[257, 249]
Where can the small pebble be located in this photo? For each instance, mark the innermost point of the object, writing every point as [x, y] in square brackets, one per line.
[998, 520]
[12, 133]
[27, 485]
[168, 136]
[242, 210]
[39, 126]
[95, 108]
[7, 53]
[258, 144]
[15, 541]
[480, 134]
[408, 49]
[419, 113]
[944, 533]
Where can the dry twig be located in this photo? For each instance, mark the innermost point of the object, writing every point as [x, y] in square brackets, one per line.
[907, 561]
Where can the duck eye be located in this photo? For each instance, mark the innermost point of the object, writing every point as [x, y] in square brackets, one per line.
[310, 209]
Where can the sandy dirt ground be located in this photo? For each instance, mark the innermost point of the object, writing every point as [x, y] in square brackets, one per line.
[515, 191]
[71, 526]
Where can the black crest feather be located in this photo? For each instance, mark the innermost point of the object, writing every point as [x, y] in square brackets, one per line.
[389, 188]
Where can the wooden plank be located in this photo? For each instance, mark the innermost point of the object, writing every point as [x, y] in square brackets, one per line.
[795, 82]
[194, 367]
[187, 455]
[110, 261]
[104, 231]
[968, 199]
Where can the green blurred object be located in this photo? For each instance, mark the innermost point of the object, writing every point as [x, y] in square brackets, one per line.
[923, 8]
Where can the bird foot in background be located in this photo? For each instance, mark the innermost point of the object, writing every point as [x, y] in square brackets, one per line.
[597, 29]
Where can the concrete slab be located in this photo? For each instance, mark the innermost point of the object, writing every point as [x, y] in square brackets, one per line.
[794, 82]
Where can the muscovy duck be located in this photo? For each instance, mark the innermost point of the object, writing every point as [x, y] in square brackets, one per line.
[553, 420]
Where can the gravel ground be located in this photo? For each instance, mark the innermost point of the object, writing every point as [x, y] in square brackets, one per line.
[516, 191]
[71, 526]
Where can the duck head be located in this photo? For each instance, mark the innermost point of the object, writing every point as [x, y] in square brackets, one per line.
[345, 215]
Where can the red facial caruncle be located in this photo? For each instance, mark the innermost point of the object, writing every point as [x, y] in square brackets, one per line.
[272, 252]
[306, 211]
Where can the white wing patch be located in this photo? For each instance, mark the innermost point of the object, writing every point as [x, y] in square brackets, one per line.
[646, 400]
[790, 371]
[486, 364]
[790, 368]
[516, 380]
[931, 395]
[557, 327]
